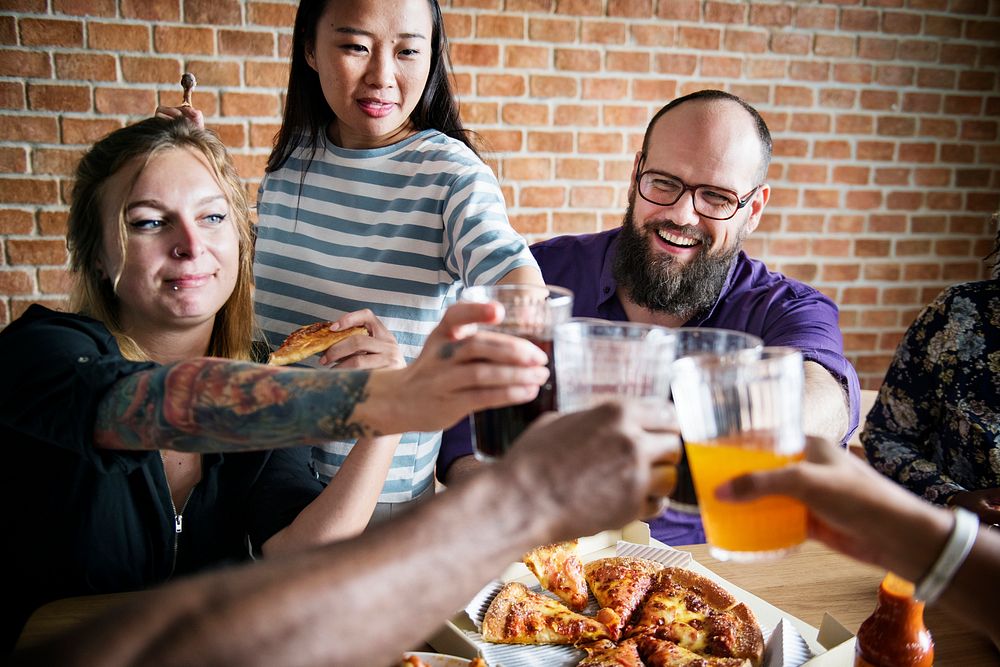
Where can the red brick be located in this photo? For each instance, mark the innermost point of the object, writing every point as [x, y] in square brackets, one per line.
[26, 64]
[262, 134]
[12, 95]
[879, 100]
[922, 102]
[619, 171]
[150, 70]
[864, 199]
[942, 26]
[542, 86]
[851, 175]
[896, 126]
[16, 281]
[41, 129]
[821, 198]
[637, 9]
[837, 98]
[790, 147]
[910, 247]
[860, 341]
[872, 248]
[961, 271]
[578, 169]
[18, 306]
[501, 141]
[461, 84]
[159, 11]
[821, 18]
[553, 30]
[533, 57]
[676, 63]
[901, 23]
[840, 272]
[246, 43]
[704, 39]
[236, 104]
[837, 150]
[214, 12]
[932, 177]
[807, 173]
[8, 30]
[480, 113]
[15, 221]
[507, 85]
[262, 74]
[679, 10]
[536, 223]
[746, 41]
[591, 197]
[860, 295]
[831, 247]
[875, 150]
[892, 176]
[543, 197]
[983, 201]
[527, 168]
[805, 223]
[721, 67]
[851, 224]
[879, 319]
[85, 66]
[49, 32]
[129, 101]
[627, 61]
[574, 114]
[525, 114]
[653, 35]
[982, 30]
[858, 20]
[176, 39]
[55, 161]
[54, 281]
[550, 142]
[627, 116]
[117, 37]
[894, 75]
[957, 153]
[58, 98]
[599, 142]
[935, 78]
[36, 251]
[578, 60]
[977, 80]
[944, 201]
[574, 223]
[475, 55]
[283, 16]
[873, 48]
[233, 135]
[803, 272]
[852, 72]
[791, 44]
[497, 26]
[603, 89]
[972, 178]
[580, 7]
[944, 129]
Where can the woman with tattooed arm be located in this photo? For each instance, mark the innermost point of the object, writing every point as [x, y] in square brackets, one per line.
[141, 439]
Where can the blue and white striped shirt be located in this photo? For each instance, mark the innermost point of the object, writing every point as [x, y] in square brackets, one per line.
[395, 229]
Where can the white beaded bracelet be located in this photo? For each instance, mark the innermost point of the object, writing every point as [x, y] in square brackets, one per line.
[959, 544]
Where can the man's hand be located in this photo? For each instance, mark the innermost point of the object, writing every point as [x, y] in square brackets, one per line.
[379, 350]
[984, 502]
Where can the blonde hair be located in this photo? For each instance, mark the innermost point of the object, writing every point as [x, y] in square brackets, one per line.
[94, 293]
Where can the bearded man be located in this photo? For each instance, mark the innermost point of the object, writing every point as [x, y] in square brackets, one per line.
[698, 190]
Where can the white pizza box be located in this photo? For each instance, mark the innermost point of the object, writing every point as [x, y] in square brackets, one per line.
[791, 641]
[839, 643]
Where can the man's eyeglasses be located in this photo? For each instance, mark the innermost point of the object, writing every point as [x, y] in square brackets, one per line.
[709, 201]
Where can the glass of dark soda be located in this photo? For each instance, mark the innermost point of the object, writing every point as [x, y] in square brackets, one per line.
[531, 312]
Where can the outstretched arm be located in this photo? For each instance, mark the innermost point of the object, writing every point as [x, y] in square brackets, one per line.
[366, 600]
[216, 405]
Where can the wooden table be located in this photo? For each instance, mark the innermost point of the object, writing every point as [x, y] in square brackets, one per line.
[817, 580]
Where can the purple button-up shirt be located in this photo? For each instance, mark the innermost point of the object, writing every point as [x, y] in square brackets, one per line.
[778, 309]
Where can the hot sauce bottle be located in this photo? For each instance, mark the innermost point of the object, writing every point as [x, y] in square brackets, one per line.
[895, 635]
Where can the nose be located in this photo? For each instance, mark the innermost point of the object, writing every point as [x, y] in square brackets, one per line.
[381, 69]
[683, 209]
[187, 241]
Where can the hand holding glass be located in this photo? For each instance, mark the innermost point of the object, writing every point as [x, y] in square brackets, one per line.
[531, 312]
[740, 414]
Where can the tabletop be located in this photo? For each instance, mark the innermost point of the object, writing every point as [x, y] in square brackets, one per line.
[817, 580]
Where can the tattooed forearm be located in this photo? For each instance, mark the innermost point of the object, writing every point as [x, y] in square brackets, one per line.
[212, 405]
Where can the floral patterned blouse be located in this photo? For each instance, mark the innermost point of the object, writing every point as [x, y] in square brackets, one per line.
[935, 427]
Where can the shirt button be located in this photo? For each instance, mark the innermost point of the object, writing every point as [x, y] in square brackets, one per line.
[82, 360]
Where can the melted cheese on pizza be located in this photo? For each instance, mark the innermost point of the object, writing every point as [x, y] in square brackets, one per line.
[560, 571]
[520, 616]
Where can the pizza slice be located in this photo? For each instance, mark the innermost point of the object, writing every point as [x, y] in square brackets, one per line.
[560, 571]
[606, 653]
[619, 583]
[665, 653]
[309, 340]
[699, 615]
[520, 616]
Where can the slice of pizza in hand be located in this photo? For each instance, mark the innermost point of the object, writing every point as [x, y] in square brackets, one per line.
[619, 583]
[520, 616]
[606, 653]
[665, 653]
[699, 615]
[309, 340]
[560, 571]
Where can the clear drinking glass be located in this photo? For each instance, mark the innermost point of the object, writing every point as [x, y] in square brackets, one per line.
[691, 341]
[531, 312]
[739, 413]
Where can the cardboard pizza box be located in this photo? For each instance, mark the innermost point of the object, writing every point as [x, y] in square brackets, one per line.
[791, 641]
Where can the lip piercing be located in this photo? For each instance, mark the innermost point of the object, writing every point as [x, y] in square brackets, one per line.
[175, 288]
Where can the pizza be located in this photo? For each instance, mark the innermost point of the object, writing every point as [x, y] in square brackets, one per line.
[620, 585]
[309, 340]
[560, 571]
[699, 615]
[650, 615]
[520, 616]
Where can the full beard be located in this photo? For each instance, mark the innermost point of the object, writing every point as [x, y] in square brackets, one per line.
[660, 283]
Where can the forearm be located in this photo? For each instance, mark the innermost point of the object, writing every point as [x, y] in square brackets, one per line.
[826, 411]
[358, 602]
[345, 506]
[207, 405]
[462, 468]
[522, 275]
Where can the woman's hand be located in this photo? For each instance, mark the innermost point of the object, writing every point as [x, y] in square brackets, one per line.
[377, 350]
[195, 116]
[460, 370]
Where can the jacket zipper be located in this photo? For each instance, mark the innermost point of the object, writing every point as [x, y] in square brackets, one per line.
[178, 517]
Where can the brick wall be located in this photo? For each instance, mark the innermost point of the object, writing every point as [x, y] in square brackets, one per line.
[885, 116]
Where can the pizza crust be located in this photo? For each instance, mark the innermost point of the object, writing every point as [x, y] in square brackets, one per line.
[309, 340]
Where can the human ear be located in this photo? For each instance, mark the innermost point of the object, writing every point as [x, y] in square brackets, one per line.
[757, 205]
[310, 54]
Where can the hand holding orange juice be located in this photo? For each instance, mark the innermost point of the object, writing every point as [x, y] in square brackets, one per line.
[741, 413]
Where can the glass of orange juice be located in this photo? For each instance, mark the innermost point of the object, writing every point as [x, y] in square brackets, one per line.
[739, 413]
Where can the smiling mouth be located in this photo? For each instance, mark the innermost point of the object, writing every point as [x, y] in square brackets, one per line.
[677, 241]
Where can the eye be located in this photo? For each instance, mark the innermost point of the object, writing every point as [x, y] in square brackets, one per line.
[409, 53]
[718, 198]
[355, 48]
[663, 183]
[146, 224]
[215, 218]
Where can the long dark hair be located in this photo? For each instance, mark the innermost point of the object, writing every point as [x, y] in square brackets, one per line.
[307, 113]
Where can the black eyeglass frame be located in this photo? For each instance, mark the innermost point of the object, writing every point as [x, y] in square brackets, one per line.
[740, 201]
